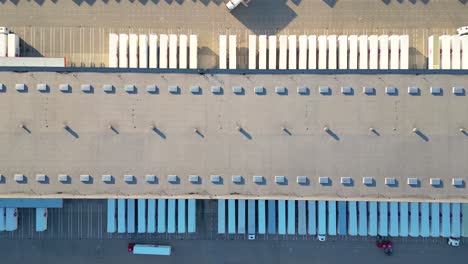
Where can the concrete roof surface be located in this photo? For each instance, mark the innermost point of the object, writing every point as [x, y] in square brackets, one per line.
[312, 135]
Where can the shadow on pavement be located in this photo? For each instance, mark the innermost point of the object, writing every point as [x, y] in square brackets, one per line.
[264, 15]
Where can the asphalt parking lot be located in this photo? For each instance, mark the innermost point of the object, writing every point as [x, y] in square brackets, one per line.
[230, 251]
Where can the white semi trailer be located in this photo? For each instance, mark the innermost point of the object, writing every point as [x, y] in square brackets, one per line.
[3, 45]
[13, 45]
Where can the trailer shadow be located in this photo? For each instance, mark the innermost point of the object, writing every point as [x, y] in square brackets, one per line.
[264, 15]
[27, 50]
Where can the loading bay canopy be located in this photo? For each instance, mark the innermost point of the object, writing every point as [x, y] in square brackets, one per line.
[68, 135]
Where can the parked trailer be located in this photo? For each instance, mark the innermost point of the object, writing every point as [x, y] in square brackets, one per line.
[123, 51]
[373, 52]
[111, 223]
[291, 217]
[383, 218]
[342, 215]
[383, 52]
[331, 206]
[153, 51]
[312, 52]
[163, 48]
[261, 217]
[394, 219]
[161, 218]
[143, 51]
[41, 219]
[271, 217]
[121, 213]
[13, 45]
[283, 52]
[141, 223]
[272, 53]
[445, 223]
[223, 52]
[352, 221]
[133, 51]
[183, 51]
[302, 213]
[171, 216]
[241, 213]
[404, 223]
[2, 219]
[302, 52]
[262, 52]
[282, 217]
[232, 52]
[252, 52]
[404, 52]
[456, 52]
[464, 48]
[414, 219]
[322, 52]
[445, 52]
[394, 51]
[292, 45]
[172, 51]
[464, 218]
[251, 215]
[373, 223]
[425, 220]
[11, 219]
[231, 216]
[353, 52]
[456, 220]
[322, 218]
[181, 216]
[193, 61]
[3, 45]
[192, 217]
[435, 219]
[332, 50]
[140, 249]
[312, 217]
[433, 56]
[221, 216]
[113, 49]
[130, 215]
[343, 52]
[363, 52]
[151, 216]
[362, 207]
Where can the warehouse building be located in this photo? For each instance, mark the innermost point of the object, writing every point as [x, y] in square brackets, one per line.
[341, 137]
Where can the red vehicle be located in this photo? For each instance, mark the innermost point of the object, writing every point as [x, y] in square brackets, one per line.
[387, 245]
[130, 247]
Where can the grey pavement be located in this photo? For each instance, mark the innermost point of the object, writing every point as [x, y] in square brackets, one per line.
[230, 251]
[78, 30]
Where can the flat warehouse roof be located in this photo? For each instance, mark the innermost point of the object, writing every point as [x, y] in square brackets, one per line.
[357, 135]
